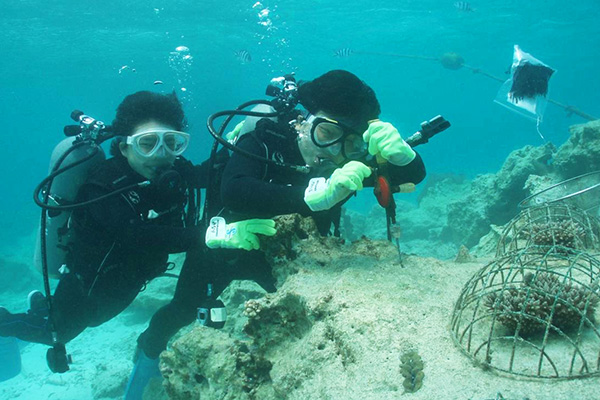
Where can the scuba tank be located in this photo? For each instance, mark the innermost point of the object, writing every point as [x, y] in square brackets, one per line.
[70, 163]
[62, 192]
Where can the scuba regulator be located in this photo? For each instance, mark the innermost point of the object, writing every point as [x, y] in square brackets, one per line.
[285, 92]
[88, 128]
[88, 135]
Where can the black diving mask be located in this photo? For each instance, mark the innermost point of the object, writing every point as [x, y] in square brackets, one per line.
[337, 137]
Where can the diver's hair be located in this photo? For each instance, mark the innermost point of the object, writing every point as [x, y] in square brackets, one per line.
[144, 106]
[342, 94]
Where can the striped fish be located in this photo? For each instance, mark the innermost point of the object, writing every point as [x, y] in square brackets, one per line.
[345, 52]
[463, 6]
[244, 56]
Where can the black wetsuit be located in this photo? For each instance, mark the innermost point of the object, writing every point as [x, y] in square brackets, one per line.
[253, 189]
[118, 245]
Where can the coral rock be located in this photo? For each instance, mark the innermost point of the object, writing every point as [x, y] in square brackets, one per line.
[463, 255]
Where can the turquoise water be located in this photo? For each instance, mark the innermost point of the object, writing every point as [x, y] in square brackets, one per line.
[64, 55]
[89, 55]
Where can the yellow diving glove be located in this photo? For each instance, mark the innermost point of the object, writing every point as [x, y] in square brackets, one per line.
[238, 235]
[232, 136]
[323, 194]
[385, 140]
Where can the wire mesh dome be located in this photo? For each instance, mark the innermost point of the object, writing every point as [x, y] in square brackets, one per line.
[532, 313]
[582, 191]
[564, 227]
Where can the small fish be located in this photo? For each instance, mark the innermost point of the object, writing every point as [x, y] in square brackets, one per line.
[157, 82]
[463, 6]
[244, 56]
[345, 52]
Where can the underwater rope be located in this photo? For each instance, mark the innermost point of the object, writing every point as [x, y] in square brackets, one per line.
[455, 61]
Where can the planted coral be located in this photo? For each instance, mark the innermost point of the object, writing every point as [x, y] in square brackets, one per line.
[565, 233]
[561, 227]
[543, 299]
[532, 313]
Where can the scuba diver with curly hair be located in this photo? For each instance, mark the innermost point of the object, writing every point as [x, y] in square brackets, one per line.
[122, 242]
[141, 205]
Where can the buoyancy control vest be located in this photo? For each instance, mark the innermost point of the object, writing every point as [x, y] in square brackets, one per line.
[96, 246]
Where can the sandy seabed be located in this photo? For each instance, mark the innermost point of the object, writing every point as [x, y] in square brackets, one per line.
[378, 309]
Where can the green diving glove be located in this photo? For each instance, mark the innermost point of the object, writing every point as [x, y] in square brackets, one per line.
[232, 136]
[385, 140]
[238, 235]
[323, 194]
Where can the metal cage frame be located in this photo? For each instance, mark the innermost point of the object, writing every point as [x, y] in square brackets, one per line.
[554, 352]
[551, 225]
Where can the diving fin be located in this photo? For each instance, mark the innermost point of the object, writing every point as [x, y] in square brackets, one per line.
[144, 371]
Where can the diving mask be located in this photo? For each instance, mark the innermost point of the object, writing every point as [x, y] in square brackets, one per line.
[327, 133]
[148, 143]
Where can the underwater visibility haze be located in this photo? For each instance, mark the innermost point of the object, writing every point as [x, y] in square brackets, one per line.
[65, 55]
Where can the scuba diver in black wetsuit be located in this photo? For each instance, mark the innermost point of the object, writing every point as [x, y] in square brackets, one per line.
[337, 140]
[131, 212]
[123, 241]
[340, 142]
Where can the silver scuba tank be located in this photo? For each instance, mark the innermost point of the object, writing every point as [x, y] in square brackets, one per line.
[63, 192]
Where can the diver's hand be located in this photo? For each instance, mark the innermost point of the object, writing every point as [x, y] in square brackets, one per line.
[232, 136]
[323, 194]
[238, 235]
[385, 140]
